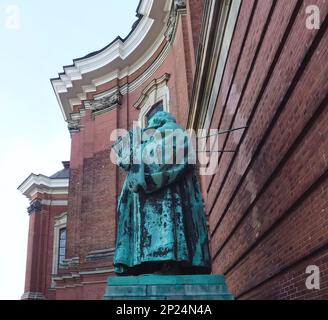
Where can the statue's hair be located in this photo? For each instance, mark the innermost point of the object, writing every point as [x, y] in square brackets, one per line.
[162, 117]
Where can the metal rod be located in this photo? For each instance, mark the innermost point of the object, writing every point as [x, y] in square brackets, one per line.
[223, 132]
[220, 151]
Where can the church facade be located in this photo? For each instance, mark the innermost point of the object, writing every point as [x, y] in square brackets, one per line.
[251, 76]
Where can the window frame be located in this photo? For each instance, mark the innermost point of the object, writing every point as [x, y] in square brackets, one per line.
[154, 93]
[60, 224]
[156, 105]
[59, 258]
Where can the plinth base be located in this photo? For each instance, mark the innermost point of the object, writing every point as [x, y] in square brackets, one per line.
[161, 287]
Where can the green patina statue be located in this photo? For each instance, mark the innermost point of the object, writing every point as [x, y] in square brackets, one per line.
[161, 219]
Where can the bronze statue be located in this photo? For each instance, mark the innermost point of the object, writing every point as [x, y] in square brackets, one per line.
[161, 219]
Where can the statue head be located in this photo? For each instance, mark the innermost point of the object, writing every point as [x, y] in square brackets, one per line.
[161, 118]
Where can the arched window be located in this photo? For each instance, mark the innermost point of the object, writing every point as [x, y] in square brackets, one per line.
[154, 98]
[59, 244]
[158, 107]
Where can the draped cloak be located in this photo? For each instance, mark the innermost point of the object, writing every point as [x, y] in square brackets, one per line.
[161, 215]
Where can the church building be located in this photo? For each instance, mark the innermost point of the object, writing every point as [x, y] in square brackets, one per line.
[253, 72]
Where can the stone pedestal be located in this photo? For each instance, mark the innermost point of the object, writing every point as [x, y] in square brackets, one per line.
[160, 287]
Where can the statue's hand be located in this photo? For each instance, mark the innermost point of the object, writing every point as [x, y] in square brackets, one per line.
[133, 185]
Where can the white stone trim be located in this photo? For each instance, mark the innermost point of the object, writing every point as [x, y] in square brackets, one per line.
[101, 96]
[46, 190]
[155, 92]
[78, 275]
[100, 271]
[55, 202]
[100, 254]
[118, 50]
[127, 88]
[120, 74]
[43, 184]
[148, 73]
[33, 296]
[117, 60]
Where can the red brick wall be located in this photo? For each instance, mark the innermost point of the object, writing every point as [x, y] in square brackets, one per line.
[92, 202]
[40, 250]
[93, 288]
[267, 203]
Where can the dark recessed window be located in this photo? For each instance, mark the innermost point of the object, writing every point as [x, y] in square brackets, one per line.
[62, 247]
[158, 107]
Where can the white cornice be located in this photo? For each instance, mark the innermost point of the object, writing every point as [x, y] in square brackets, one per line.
[117, 60]
[43, 184]
[118, 50]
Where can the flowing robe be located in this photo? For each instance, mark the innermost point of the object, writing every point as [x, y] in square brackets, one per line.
[161, 215]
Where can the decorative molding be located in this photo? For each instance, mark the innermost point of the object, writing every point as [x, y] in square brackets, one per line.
[74, 121]
[180, 3]
[55, 202]
[33, 296]
[43, 184]
[61, 220]
[106, 103]
[71, 263]
[119, 59]
[100, 254]
[178, 7]
[132, 86]
[74, 126]
[155, 92]
[78, 274]
[35, 207]
[128, 88]
[154, 85]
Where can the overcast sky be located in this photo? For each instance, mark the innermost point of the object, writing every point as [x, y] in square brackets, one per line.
[33, 135]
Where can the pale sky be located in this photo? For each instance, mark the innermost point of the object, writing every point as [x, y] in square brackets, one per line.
[33, 135]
